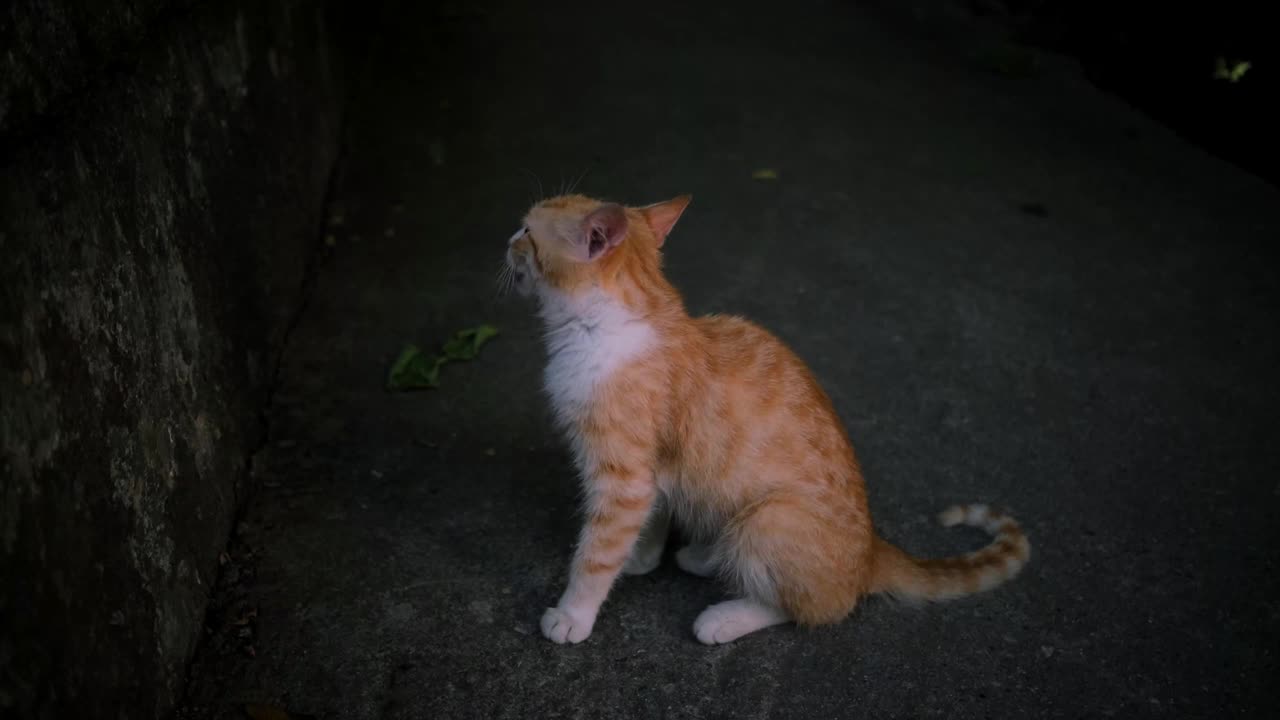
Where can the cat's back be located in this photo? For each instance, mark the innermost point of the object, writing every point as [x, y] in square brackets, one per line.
[735, 339]
[740, 348]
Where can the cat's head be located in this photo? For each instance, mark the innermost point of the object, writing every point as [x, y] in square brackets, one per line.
[572, 243]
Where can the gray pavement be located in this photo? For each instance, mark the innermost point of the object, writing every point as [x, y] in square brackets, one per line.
[1016, 290]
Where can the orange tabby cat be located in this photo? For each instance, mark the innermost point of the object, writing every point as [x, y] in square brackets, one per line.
[716, 422]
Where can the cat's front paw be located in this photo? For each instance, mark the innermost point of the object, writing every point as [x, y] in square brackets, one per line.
[559, 626]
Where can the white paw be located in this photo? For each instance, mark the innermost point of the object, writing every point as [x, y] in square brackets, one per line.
[560, 627]
[695, 560]
[714, 627]
[642, 561]
[728, 621]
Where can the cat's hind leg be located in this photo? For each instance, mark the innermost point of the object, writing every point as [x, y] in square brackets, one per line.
[727, 621]
[697, 560]
[792, 559]
[746, 562]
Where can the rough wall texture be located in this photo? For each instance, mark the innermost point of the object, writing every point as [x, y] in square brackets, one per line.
[162, 173]
[59, 49]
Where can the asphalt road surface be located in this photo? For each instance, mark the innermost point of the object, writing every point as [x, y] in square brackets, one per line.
[1016, 289]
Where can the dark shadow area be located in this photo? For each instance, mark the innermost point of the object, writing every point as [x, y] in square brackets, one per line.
[1206, 70]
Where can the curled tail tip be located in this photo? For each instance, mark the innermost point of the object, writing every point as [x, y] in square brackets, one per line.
[972, 514]
[981, 516]
[952, 516]
[902, 575]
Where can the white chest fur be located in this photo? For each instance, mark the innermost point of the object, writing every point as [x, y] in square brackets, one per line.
[589, 337]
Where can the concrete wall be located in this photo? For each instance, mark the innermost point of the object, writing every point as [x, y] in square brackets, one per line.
[162, 171]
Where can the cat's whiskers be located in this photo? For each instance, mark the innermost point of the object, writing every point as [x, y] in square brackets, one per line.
[505, 281]
[574, 185]
[533, 177]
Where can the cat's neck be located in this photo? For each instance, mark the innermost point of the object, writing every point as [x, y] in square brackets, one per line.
[589, 311]
[589, 335]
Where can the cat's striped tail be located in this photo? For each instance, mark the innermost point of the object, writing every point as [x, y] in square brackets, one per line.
[899, 574]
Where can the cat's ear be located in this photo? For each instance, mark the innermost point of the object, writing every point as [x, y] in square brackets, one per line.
[602, 230]
[663, 216]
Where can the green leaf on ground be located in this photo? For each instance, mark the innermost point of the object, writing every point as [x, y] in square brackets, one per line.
[765, 174]
[415, 370]
[467, 343]
[1232, 72]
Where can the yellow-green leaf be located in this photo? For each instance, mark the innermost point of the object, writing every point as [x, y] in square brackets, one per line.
[414, 369]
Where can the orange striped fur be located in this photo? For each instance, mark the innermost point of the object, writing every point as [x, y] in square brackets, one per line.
[716, 424]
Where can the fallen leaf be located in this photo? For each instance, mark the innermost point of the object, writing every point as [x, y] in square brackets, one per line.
[1231, 73]
[765, 174]
[414, 369]
[466, 344]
